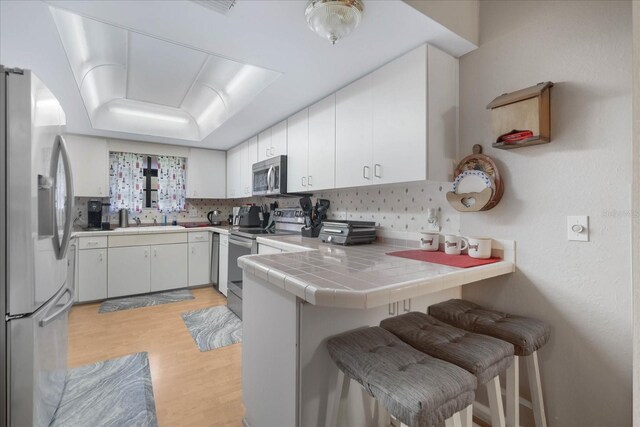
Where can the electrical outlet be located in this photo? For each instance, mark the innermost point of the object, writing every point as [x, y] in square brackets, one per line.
[193, 212]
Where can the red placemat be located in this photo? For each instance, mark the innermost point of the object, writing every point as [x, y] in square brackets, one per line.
[462, 261]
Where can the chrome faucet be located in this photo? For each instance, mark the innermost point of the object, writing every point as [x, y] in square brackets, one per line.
[137, 220]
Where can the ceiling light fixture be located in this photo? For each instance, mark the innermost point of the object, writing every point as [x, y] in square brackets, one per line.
[149, 115]
[333, 19]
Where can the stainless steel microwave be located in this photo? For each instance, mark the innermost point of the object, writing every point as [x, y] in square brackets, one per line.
[270, 177]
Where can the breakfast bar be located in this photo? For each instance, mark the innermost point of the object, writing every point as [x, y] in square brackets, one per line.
[297, 299]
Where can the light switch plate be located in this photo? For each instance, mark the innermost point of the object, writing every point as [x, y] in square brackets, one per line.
[574, 223]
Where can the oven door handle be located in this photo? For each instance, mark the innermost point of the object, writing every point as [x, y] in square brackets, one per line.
[243, 243]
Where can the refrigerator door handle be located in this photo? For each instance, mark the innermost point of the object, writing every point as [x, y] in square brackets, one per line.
[44, 322]
[60, 152]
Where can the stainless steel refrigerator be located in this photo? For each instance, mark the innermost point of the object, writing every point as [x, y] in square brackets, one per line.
[36, 273]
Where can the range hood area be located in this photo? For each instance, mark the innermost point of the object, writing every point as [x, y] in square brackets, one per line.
[132, 82]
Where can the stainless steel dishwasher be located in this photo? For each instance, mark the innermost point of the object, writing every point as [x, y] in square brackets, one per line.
[215, 260]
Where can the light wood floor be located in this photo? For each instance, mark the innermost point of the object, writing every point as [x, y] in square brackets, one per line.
[191, 388]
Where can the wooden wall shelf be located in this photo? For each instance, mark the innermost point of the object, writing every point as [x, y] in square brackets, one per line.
[523, 110]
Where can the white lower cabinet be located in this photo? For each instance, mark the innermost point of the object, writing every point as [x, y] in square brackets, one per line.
[92, 274]
[129, 271]
[168, 267]
[223, 273]
[199, 263]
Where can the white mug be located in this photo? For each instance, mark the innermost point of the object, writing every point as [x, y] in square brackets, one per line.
[479, 247]
[430, 242]
[453, 244]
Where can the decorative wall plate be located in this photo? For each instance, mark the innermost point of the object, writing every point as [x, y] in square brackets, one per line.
[472, 181]
[477, 185]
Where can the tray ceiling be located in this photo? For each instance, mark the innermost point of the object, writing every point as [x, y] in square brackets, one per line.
[131, 82]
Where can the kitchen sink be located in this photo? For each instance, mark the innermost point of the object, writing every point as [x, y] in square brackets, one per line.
[151, 229]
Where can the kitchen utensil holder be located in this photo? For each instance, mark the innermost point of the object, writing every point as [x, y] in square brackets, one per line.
[313, 231]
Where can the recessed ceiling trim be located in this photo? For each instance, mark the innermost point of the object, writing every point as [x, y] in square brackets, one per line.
[221, 6]
[95, 50]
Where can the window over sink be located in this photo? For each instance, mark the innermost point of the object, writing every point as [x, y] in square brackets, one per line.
[141, 181]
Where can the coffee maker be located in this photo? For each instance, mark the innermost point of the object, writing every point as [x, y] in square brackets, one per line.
[94, 215]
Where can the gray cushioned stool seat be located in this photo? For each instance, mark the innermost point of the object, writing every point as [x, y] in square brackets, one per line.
[526, 334]
[483, 356]
[416, 388]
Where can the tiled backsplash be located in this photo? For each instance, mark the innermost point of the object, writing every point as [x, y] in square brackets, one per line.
[399, 210]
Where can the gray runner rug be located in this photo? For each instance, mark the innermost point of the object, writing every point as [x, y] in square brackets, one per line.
[149, 300]
[114, 392]
[213, 327]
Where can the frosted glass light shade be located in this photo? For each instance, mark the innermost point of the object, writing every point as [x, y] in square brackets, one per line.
[333, 19]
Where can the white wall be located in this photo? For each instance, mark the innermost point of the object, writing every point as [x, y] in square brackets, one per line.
[636, 209]
[582, 289]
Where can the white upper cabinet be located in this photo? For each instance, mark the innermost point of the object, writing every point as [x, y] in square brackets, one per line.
[89, 164]
[298, 151]
[273, 142]
[206, 174]
[264, 145]
[399, 123]
[240, 160]
[279, 139]
[234, 172]
[354, 134]
[322, 144]
[249, 159]
[400, 119]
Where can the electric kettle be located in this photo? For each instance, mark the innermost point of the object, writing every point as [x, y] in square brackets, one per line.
[215, 217]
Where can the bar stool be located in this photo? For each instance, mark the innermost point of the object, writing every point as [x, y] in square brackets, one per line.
[483, 356]
[415, 388]
[527, 336]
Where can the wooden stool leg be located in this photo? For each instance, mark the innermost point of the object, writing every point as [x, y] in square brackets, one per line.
[466, 416]
[533, 369]
[453, 420]
[495, 402]
[384, 419]
[340, 400]
[513, 394]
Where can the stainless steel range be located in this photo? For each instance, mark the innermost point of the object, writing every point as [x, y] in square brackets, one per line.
[242, 241]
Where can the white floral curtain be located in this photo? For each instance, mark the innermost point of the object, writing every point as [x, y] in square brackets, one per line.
[126, 179]
[172, 192]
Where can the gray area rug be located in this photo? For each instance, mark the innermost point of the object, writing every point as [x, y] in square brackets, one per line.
[148, 300]
[116, 392]
[213, 327]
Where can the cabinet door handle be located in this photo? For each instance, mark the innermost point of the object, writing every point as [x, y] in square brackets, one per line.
[404, 305]
[377, 167]
[309, 180]
[392, 309]
[365, 172]
[266, 152]
[99, 257]
[155, 253]
[304, 183]
[193, 250]
[272, 150]
[146, 253]
[92, 243]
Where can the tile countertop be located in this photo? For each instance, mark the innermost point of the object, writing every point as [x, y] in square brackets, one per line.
[362, 276]
[79, 232]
